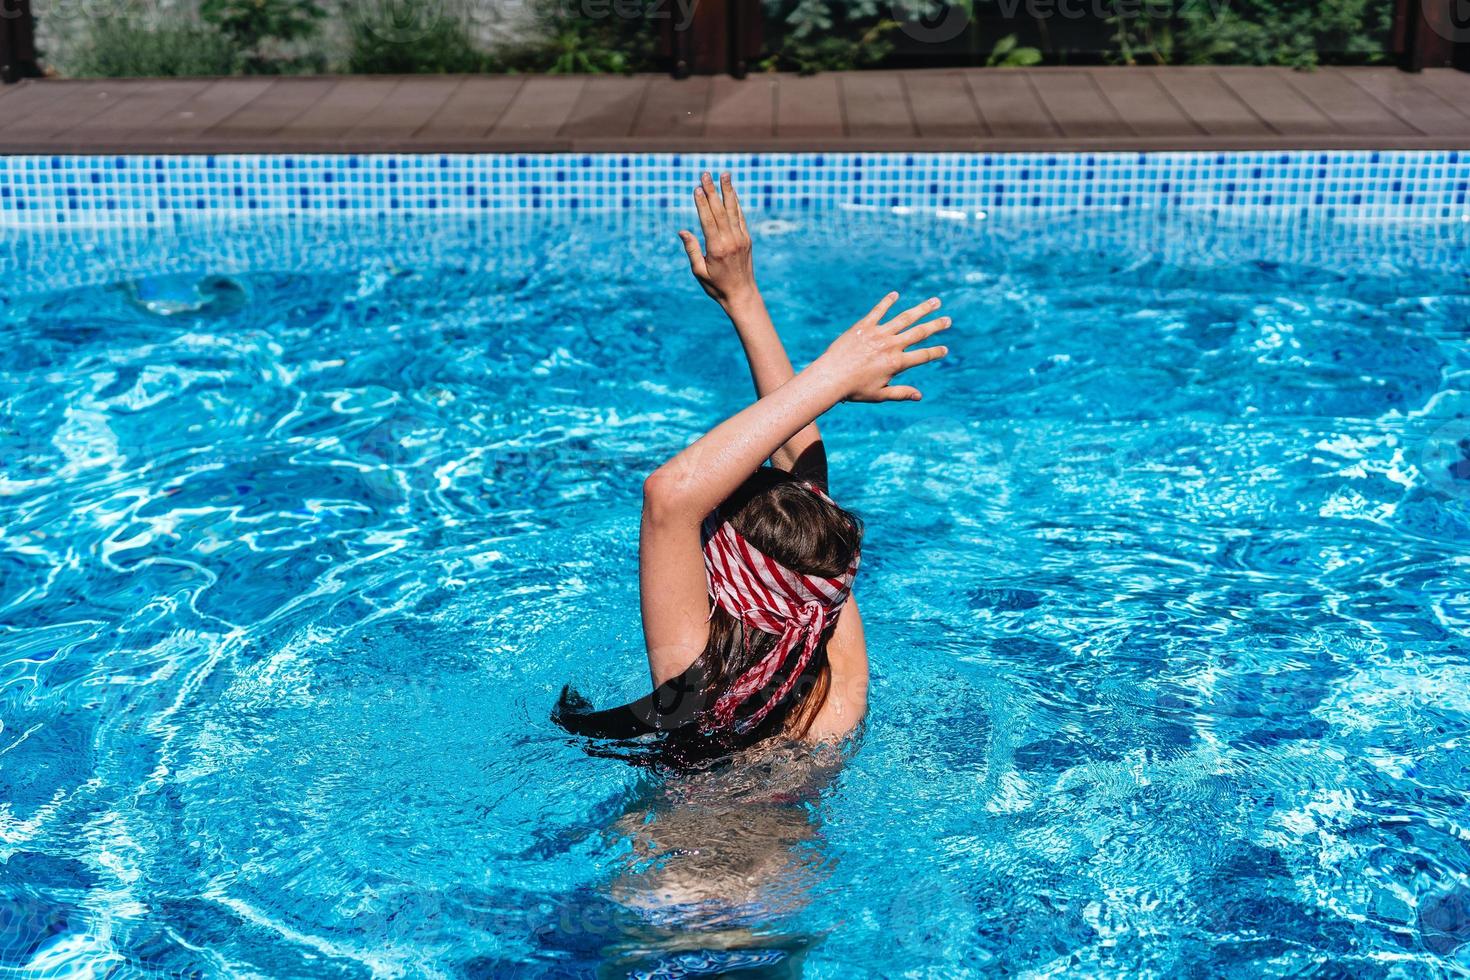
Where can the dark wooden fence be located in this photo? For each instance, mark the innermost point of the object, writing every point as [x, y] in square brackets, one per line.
[17, 41]
[1431, 34]
[723, 37]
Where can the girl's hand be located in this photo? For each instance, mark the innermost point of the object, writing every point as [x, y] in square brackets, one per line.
[724, 268]
[863, 361]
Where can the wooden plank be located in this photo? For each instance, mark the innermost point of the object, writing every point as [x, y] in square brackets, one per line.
[32, 96]
[1009, 105]
[809, 107]
[675, 108]
[539, 109]
[349, 102]
[71, 105]
[1449, 84]
[404, 111]
[1345, 104]
[1142, 103]
[1271, 97]
[942, 104]
[607, 108]
[742, 108]
[472, 109]
[206, 108]
[1409, 99]
[941, 109]
[269, 112]
[1075, 104]
[874, 104]
[145, 104]
[1210, 105]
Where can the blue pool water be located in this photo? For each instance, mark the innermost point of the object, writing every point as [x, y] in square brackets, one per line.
[306, 523]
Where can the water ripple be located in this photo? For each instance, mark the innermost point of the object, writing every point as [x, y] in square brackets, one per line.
[305, 526]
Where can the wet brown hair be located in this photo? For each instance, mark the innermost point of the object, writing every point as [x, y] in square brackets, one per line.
[809, 535]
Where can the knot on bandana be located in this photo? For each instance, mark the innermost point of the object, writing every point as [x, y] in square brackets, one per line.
[763, 594]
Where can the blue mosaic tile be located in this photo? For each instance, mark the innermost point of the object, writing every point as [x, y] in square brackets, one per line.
[35, 190]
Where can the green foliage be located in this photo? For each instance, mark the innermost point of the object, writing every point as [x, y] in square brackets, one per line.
[574, 52]
[812, 53]
[835, 35]
[1005, 54]
[260, 27]
[569, 41]
[813, 35]
[250, 22]
[164, 51]
[439, 47]
[1296, 33]
[426, 36]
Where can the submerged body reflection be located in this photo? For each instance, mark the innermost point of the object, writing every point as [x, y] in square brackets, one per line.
[720, 865]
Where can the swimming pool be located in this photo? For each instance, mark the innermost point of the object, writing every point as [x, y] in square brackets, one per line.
[310, 507]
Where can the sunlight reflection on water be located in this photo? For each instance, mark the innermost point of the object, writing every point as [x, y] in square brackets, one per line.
[1165, 580]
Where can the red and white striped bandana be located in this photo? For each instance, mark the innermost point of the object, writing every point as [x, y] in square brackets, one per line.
[763, 594]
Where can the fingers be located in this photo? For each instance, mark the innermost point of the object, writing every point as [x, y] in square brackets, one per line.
[716, 205]
[924, 330]
[881, 310]
[924, 355]
[707, 223]
[696, 257]
[912, 315]
[732, 202]
[900, 393]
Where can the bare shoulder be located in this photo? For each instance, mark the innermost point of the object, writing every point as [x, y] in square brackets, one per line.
[847, 698]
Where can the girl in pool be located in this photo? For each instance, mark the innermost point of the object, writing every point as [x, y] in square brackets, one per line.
[746, 569]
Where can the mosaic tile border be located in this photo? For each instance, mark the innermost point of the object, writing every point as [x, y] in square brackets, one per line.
[1400, 184]
[66, 256]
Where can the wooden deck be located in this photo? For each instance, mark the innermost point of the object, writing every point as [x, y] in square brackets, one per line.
[937, 109]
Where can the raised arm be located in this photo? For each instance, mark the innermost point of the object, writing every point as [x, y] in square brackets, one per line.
[726, 271]
[858, 366]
